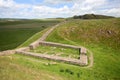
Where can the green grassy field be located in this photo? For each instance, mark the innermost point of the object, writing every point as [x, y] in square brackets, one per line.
[14, 33]
[102, 37]
[18, 67]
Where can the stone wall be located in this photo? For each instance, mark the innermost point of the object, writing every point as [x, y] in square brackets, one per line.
[83, 52]
[56, 58]
[34, 45]
[7, 52]
[58, 45]
[44, 43]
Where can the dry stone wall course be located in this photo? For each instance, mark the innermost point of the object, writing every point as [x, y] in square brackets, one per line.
[7, 52]
[58, 45]
[56, 58]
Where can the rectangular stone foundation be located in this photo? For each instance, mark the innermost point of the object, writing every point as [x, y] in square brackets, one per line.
[55, 58]
[82, 51]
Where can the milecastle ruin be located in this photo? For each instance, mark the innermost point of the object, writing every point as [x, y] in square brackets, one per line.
[83, 60]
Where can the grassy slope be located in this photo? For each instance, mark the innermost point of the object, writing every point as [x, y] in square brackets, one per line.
[106, 60]
[21, 68]
[102, 37]
[15, 33]
[33, 38]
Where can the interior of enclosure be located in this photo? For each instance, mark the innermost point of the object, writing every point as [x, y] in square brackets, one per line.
[57, 51]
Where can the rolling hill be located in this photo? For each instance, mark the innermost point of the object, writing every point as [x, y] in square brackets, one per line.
[91, 16]
[100, 36]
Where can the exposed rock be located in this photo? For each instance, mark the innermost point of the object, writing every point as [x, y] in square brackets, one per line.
[109, 32]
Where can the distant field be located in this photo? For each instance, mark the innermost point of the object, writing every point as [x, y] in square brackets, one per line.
[14, 33]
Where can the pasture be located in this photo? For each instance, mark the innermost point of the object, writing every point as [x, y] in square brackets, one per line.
[14, 33]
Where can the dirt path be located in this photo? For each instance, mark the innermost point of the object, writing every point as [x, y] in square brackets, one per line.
[47, 33]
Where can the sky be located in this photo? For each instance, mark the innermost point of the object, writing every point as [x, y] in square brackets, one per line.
[57, 8]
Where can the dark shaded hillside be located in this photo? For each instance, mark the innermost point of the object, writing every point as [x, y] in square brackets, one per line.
[91, 16]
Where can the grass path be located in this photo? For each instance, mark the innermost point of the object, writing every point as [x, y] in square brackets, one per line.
[91, 59]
